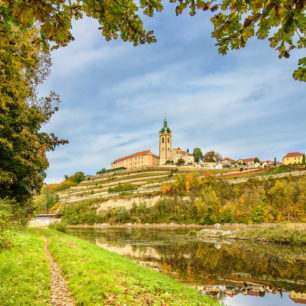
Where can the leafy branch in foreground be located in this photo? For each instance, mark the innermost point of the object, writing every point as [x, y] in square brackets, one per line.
[282, 22]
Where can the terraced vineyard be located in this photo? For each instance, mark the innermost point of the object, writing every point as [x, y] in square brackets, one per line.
[142, 181]
[128, 187]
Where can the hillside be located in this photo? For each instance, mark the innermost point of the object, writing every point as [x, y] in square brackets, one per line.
[134, 195]
[137, 182]
[148, 181]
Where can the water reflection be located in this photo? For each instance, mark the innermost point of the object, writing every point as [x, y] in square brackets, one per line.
[238, 273]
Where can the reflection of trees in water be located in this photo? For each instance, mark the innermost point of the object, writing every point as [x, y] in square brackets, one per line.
[232, 261]
[196, 261]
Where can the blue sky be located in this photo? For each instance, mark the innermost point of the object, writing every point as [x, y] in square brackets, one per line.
[114, 96]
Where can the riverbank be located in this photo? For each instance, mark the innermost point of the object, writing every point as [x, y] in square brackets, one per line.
[290, 233]
[94, 275]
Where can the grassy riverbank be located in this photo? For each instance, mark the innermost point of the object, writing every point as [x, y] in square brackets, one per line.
[294, 234]
[24, 271]
[95, 276]
[291, 233]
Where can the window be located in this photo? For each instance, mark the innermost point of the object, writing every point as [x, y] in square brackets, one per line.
[163, 140]
[168, 139]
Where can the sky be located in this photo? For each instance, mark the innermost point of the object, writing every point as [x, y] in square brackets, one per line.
[115, 96]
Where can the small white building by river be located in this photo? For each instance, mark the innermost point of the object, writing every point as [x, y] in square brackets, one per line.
[45, 220]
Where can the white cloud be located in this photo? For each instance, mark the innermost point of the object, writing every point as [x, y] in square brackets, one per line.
[114, 97]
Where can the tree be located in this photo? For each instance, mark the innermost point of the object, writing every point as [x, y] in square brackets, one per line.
[281, 22]
[23, 146]
[77, 178]
[256, 160]
[303, 160]
[274, 163]
[180, 162]
[212, 156]
[197, 154]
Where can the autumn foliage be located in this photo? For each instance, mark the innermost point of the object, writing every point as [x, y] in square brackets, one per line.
[206, 200]
[255, 201]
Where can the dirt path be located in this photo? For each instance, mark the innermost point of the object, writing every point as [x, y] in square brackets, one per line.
[60, 295]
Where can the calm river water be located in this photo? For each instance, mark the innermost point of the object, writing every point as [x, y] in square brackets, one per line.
[237, 273]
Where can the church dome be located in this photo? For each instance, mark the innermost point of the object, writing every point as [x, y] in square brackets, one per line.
[165, 128]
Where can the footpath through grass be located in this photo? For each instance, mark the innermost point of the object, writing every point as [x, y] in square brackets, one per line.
[24, 271]
[95, 276]
[99, 277]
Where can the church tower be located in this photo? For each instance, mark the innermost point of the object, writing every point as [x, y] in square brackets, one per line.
[165, 150]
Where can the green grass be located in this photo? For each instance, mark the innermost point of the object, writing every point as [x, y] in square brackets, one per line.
[99, 277]
[24, 271]
[95, 276]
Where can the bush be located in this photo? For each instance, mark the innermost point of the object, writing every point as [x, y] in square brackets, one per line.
[61, 186]
[122, 188]
[180, 162]
[83, 212]
[12, 215]
[59, 226]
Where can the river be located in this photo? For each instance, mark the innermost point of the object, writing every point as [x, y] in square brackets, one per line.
[236, 273]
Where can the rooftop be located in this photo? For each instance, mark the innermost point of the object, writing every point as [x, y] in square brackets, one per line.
[293, 154]
[248, 160]
[165, 128]
[227, 158]
[142, 153]
[182, 152]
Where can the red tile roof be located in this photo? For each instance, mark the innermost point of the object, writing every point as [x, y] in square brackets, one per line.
[182, 152]
[248, 160]
[142, 153]
[227, 158]
[254, 293]
[293, 154]
[299, 301]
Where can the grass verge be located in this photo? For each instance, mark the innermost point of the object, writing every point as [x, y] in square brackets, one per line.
[99, 277]
[24, 271]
